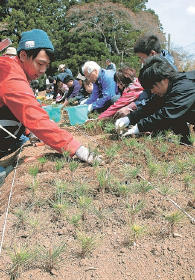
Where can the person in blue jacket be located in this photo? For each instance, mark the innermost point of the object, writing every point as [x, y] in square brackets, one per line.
[105, 90]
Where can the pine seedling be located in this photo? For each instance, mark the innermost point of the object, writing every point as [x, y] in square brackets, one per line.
[20, 258]
[160, 137]
[166, 190]
[153, 168]
[34, 171]
[163, 148]
[66, 156]
[112, 151]
[73, 165]
[131, 172]
[173, 138]
[84, 203]
[100, 124]
[59, 203]
[51, 257]
[135, 232]
[173, 219]
[59, 164]
[109, 127]
[103, 179]
[130, 142]
[142, 187]
[134, 209]
[121, 189]
[188, 180]
[148, 156]
[96, 154]
[87, 243]
[100, 213]
[33, 223]
[75, 219]
[192, 138]
[80, 190]
[89, 126]
[42, 161]
[22, 218]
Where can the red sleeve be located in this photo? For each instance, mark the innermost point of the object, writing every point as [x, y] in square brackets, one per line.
[130, 94]
[17, 95]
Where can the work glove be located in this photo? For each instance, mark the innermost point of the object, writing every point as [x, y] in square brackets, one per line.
[132, 131]
[122, 122]
[84, 154]
[90, 108]
[83, 101]
[120, 125]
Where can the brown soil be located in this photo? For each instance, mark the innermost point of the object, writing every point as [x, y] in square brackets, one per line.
[159, 252]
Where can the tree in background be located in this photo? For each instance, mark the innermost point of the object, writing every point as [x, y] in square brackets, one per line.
[117, 25]
[134, 5]
[77, 47]
[82, 30]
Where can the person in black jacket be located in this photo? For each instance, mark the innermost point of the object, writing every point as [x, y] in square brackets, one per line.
[173, 103]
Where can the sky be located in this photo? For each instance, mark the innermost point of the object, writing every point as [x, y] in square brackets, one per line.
[177, 18]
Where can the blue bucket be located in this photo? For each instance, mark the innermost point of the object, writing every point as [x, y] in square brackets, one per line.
[77, 114]
[54, 112]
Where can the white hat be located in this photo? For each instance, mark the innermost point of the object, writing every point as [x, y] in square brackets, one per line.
[11, 51]
[80, 77]
[61, 66]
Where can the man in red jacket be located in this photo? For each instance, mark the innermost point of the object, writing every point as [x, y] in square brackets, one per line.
[19, 108]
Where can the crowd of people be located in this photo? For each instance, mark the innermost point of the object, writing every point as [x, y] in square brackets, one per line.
[160, 98]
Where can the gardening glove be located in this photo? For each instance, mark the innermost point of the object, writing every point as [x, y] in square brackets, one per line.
[84, 154]
[121, 123]
[132, 131]
[90, 108]
[83, 101]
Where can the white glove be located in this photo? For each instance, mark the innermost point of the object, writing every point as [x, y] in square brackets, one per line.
[132, 131]
[83, 154]
[122, 122]
[83, 101]
[90, 108]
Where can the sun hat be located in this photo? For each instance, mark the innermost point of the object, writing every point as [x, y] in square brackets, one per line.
[11, 51]
[80, 77]
[35, 39]
[61, 66]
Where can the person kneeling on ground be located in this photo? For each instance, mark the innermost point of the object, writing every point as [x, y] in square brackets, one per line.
[173, 105]
[130, 87]
[73, 89]
[105, 90]
[19, 108]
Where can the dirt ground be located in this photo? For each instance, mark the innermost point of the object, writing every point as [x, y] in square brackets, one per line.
[116, 221]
